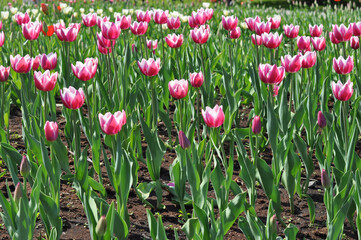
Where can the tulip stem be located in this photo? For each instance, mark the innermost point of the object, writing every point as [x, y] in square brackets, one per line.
[76, 139]
[45, 107]
[31, 48]
[107, 62]
[180, 114]
[67, 45]
[203, 65]
[178, 63]
[344, 49]
[161, 32]
[145, 46]
[124, 42]
[2, 104]
[154, 104]
[116, 71]
[230, 61]
[344, 115]
[198, 113]
[88, 107]
[257, 55]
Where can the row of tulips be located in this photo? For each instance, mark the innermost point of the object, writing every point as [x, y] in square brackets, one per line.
[126, 88]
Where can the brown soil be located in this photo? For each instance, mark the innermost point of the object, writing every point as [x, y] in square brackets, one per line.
[75, 222]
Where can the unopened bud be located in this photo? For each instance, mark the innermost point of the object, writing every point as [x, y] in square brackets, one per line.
[18, 193]
[256, 125]
[273, 224]
[101, 227]
[321, 120]
[183, 140]
[24, 167]
[325, 179]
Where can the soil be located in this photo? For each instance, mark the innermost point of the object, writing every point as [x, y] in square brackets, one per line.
[75, 221]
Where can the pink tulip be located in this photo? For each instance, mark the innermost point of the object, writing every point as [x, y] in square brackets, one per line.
[110, 30]
[105, 43]
[51, 130]
[4, 73]
[229, 23]
[262, 27]
[255, 37]
[72, 98]
[22, 18]
[256, 125]
[325, 179]
[319, 43]
[152, 45]
[303, 43]
[209, 13]
[342, 92]
[199, 17]
[355, 42]
[160, 16]
[68, 34]
[271, 74]
[1, 25]
[174, 40]
[308, 60]
[2, 39]
[251, 22]
[343, 66]
[144, 16]
[315, 30]
[200, 35]
[192, 22]
[235, 33]
[44, 81]
[87, 70]
[48, 62]
[178, 88]
[196, 79]
[183, 141]
[59, 25]
[333, 38]
[271, 40]
[149, 67]
[356, 29]
[275, 22]
[100, 20]
[36, 62]
[173, 23]
[342, 33]
[291, 64]
[139, 28]
[90, 19]
[102, 49]
[291, 31]
[276, 88]
[321, 120]
[213, 117]
[112, 124]
[21, 64]
[31, 30]
[125, 21]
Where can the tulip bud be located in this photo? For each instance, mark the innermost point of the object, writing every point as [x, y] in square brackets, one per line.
[18, 193]
[24, 167]
[256, 125]
[325, 179]
[273, 224]
[321, 120]
[183, 140]
[101, 227]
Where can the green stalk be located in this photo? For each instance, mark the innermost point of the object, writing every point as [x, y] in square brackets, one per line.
[178, 62]
[197, 114]
[161, 32]
[145, 46]
[116, 72]
[203, 65]
[154, 105]
[2, 104]
[45, 112]
[88, 106]
[344, 115]
[67, 44]
[76, 139]
[107, 62]
[230, 61]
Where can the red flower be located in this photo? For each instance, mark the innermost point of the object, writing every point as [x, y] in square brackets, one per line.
[49, 32]
[44, 8]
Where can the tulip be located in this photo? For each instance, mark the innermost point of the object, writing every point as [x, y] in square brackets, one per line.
[59, 25]
[174, 40]
[72, 98]
[200, 35]
[152, 45]
[18, 193]
[196, 79]
[192, 22]
[100, 20]
[31, 30]
[355, 42]
[342, 92]
[199, 17]
[87, 70]
[273, 224]
[333, 38]
[321, 120]
[90, 19]
[271, 40]
[257, 38]
[101, 227]
[134, 48]
[271, 74]
[291, 31]
[251, 22]
[291, 64]
[308, 60]
[24, 167]
[149, 67]
[68, 34]
[112, 124]
[4, 73]
[160, 17]
[49, 31]
[256, 125]
[102, 49]
[51, 130]
[22, 18]
[48, 62]
[343, 66]
[275, 90]
[21, 64]
[235, 33]
[229, 23]
[44, 81]
[139, 28]
[173, 23]
[1, 25]
[315, 30]
[213, 117]
[342, 33]
[183, 140]
[125, 21]
[261, 27]
[45, 8]
[303, 43]
[144, 16]
[110, 30]
[356, 29]
[209, 13]
[105, 43]
[319, 43]
[2, 39]
[325, 179]
[178, 88]
[275, 22]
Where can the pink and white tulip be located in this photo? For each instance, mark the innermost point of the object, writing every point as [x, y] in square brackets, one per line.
[319, 43]
[173, 23]
[111, 124]
[21, 64]
[160, 16]
[291, 31]
[4, 73]
[44, 81]
[271, 40]
[31, 30]
[251, 22]
[149, 67]
[315, 30]
[90, 19]
[72, 98]
[48, 62]
[200, 35]
[342, 92]
[308, 60]
[178, 89]
[271, 74]
[342, 33]
[213, 117]
[139, 28]
[229, 23]
[51, 130]
[196, 79]
[291, 64]
[87, 70]
[343, 66]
